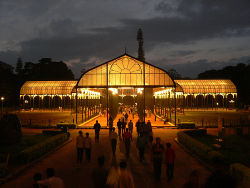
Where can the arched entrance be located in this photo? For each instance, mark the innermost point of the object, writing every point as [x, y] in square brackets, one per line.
[126, 81]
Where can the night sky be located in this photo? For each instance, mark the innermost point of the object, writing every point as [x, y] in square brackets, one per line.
[188, 35]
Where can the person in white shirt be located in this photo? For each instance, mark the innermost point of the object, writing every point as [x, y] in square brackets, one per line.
[51, 181]
[80, 146]
[88, 147]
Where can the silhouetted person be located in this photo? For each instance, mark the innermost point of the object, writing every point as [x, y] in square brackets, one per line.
[126, 116]
[119, 126]
[125, 179]
[123, 126]
[141, 145]
[130, 126]
[87, 143]
[113, 139]
[220, 177]
[127, 139]
[138, 127]
[97, 128]
[80, 146]
[52, 181]
[37, 177]
[157, 151]
[110, 123]
[193, 180]
[170, 158]
[100, 174]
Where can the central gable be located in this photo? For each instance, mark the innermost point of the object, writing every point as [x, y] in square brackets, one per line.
[125, 71]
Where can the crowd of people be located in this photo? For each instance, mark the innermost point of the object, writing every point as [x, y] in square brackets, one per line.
[118, 176]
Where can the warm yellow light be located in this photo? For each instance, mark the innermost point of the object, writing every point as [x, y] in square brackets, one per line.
[2, 98]
[114, 90]
[139, 90]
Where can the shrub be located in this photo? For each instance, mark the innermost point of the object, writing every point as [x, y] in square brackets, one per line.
[241, 173]
[3, 170]
[198, 148]
[187, 125]
[215, 156]
[40, 149]
[66, 125]
[197, 132]
[10, 129]
[51, 133]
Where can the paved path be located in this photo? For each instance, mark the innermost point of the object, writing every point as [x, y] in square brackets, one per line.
[64, 161]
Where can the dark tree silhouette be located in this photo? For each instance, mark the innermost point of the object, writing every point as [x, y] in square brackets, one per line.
[47, 69]
[140, 43]
[174, 74]
[239, 75]
[8, 84]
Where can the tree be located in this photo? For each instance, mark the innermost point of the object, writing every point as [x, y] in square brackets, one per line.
[174, 74]
[19, 66]
[239, 75]
[83, 70]
[47, 69]
[10, 129]
[140, 43]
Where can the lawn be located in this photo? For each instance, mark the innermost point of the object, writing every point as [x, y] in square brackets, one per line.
[211, 117]
[235, 149]
[27, 141]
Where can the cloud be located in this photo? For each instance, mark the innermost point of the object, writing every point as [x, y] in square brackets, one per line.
[88, 32]
[192, 69]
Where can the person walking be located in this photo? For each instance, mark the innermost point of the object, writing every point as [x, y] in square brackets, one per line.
[80, 146]
[126, 116]
[110, 124]
[138, 127]
[150, 132]
[127, 139]
[88, 147]
[193, 180]
[157, 151]
[125, 177]
[52, 181]
[100, 174]
[97, 128]
[113, 139]
[170, 158]
[119, 126]
[123, 126]
[37, 177]
[130, 126]
[141, 145]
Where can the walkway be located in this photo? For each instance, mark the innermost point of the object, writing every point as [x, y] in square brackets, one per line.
[64, 161]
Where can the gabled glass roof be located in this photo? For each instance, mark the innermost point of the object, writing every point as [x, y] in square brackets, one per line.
[125, 71]
[47, 87]
[207, 86]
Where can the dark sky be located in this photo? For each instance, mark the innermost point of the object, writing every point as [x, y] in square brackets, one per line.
[188, 35]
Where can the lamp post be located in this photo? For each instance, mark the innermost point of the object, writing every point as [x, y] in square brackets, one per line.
[2, 99]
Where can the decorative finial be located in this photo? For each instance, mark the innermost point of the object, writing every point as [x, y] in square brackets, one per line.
[125, 50]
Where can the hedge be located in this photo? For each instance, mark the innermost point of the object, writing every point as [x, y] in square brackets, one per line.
[241, 174]
[199, 148]
[40, 149]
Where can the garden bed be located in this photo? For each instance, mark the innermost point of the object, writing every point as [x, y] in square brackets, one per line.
[236, 149]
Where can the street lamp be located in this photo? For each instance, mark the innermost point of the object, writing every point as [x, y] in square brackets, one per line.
[2, 99]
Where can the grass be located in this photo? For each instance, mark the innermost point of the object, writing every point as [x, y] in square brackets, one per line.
[211, 117]
[27, 141]
[235, 149]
